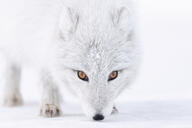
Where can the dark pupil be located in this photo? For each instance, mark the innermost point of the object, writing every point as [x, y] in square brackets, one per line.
[113, 76]
[82, 76]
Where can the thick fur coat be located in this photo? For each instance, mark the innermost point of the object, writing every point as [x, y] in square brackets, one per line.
[62, 37]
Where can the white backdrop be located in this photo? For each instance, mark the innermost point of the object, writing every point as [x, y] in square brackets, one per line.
[164, 83]
[166, 36]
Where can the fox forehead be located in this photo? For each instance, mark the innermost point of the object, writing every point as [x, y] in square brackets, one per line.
[98, 41]
[99, 52]
[97, 56]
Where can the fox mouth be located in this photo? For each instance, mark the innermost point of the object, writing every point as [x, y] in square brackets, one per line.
[99, 117]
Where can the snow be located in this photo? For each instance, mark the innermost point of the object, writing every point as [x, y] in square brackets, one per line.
[161, 96]
[159, 114]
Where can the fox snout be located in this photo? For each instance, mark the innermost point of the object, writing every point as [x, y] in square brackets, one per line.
[97, 112]
[98, 117]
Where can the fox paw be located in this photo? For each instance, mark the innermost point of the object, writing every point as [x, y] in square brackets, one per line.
[49, 110]
[12, 100]
[114, 111]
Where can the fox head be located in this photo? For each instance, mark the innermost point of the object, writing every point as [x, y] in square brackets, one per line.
[97, 56]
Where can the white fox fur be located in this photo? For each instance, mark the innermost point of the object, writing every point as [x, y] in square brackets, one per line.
[61, 37]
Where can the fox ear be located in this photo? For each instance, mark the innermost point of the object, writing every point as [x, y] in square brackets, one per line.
[122, 19]
[68, 21]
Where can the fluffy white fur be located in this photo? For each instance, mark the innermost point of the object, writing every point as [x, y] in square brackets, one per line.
[62, 36]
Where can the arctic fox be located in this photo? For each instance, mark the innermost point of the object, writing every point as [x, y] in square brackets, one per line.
[86, 46]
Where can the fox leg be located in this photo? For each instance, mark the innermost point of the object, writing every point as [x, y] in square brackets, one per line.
[50, 102]
[11, 83]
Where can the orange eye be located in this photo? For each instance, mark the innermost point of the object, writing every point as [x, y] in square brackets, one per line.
[82, 76]
[113, 75]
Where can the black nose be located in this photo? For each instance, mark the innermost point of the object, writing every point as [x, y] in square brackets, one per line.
[98, 117]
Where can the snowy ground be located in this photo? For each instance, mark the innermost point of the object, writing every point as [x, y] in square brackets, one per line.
[161, 96]
[154, 114]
